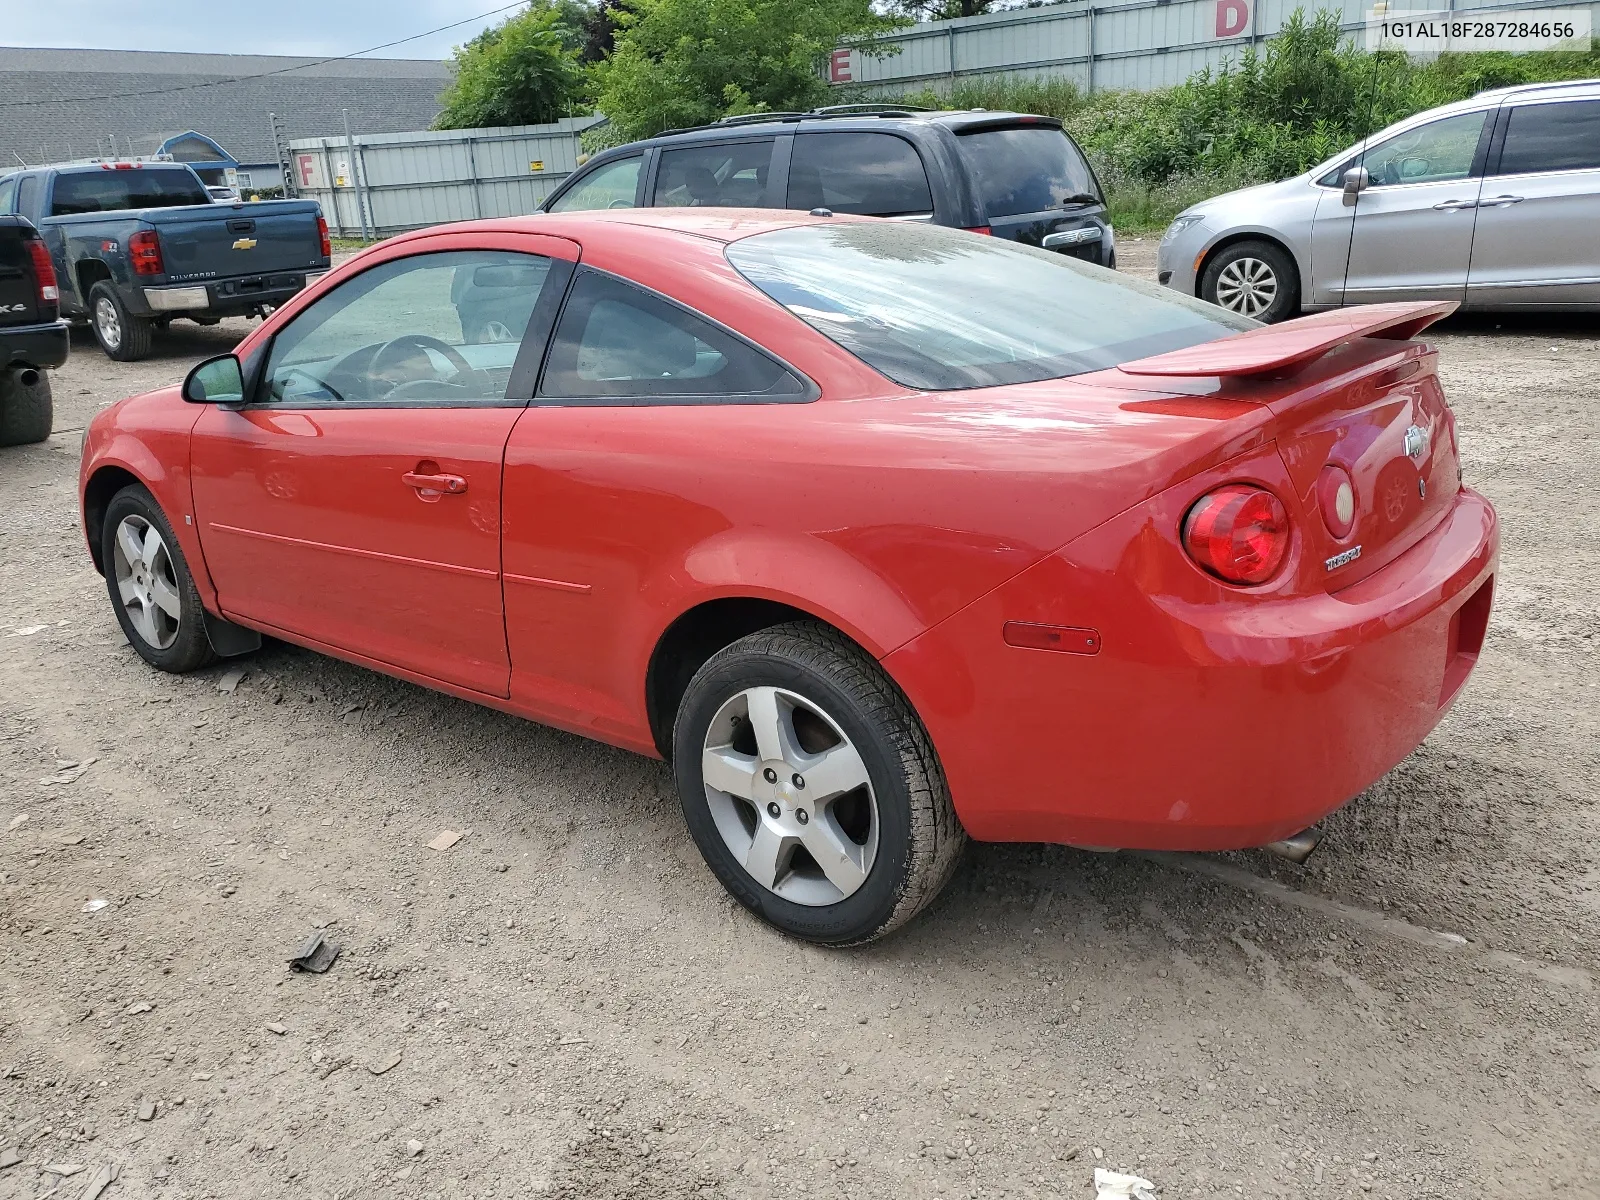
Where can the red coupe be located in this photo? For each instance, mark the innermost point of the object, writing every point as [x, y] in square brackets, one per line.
[885, 535]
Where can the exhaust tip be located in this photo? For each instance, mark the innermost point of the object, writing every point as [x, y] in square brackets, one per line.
[1296, 848]
[27, 376]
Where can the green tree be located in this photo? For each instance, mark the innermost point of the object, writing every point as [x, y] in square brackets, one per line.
[689, 62]
[524, 71]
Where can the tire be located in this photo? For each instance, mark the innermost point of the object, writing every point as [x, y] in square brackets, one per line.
[169, 641]
[26, 413]
[206, 321]
[123, 336]
[893, 841]
[1254, 279]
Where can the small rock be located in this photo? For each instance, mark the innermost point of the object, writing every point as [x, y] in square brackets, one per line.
[16, 822]
[446, 839]
[9, 1158]
[276, 1027]
[387, 1062]
[147, 1110]
[200, 1077]
[134, 1010]
[95, 905]
[230, 680]
[1097, 1152]
[414, 1148]
[63, 1169]
[404, 1172]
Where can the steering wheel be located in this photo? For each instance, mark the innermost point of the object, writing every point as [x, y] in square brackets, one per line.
[419, 341]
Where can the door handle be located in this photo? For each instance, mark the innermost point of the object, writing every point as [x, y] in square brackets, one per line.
[452, 485]
[1455, 205]
[1499, 201]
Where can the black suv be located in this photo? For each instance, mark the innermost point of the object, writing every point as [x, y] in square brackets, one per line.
[33, 338]
[1008, 174]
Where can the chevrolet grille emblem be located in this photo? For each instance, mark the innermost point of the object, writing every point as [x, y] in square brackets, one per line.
[245, 244]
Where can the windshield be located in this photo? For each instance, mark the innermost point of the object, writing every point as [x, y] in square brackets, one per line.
[939, 309]
[1027, 169]
[113, 190]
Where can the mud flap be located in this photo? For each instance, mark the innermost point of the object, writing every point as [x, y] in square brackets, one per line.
[230, 640]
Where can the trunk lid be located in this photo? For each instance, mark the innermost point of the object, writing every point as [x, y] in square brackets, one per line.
[222, 241]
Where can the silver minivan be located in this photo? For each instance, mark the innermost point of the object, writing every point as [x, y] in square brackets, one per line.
[1493, 202]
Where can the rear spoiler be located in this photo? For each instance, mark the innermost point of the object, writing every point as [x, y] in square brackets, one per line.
[1294, 345]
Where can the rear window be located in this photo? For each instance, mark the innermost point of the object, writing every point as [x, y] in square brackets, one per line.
[1552, 137]
[1028, 169]
[113, 190]
[874, 174]
[940, 309]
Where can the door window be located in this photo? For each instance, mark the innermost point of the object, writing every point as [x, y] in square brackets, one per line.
[1552, 137]
[877, 174]
[28, 195]
[615, 340]
[1433, 153]
[615, 185]
[726, 175]
[431, 329]
[8, 190]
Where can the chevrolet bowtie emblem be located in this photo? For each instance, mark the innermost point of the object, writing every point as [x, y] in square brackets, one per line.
[245, 244]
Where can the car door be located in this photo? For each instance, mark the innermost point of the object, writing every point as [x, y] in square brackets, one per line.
[354, 503]
[1413, 224]
[584, 532]
[1538, 234]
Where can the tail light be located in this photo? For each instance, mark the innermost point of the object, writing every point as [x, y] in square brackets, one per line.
[979, 229]
[1239, 533]
[322, 232]
[1336, 497]
[144, 252]
[44, 277]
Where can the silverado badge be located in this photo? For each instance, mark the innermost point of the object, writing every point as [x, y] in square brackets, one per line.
[245, 244]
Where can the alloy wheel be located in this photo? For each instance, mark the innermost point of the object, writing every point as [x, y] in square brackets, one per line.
[107, 322]
[146, 582]
[1247, 286]
[790, 795]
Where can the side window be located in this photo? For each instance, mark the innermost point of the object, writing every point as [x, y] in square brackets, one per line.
[433, 328]
[28, 197]
[1552, 137]
[8, 193]
[616, 340]
[877, 174]
[614, 185]
[1433, 153]
[725, 175]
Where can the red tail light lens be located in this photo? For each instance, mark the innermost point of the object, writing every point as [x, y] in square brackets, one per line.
[322, 232]
[980, 229]
[1239, 533]
[1336, 497]
[44, 274]
[144, 252]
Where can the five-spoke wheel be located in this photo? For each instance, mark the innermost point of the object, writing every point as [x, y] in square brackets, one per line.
[151, 589]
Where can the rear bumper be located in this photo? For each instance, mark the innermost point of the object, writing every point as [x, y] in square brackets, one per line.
[40, 346]
[1197, 727]
[224, 297]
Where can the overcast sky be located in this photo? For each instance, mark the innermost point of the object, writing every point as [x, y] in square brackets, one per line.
[309, 27]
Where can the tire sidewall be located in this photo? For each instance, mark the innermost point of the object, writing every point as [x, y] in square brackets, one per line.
[1284, 304]
[860, 915]
[191, 648]
[96, 293]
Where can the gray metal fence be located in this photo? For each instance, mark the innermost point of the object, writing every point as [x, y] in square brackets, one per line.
[381, 184]
[1138, 45]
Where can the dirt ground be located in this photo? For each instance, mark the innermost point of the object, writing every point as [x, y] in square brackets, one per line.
[565, 1003]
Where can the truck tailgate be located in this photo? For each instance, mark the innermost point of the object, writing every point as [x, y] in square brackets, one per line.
[224, 240]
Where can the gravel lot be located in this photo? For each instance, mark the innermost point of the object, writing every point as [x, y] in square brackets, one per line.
[565, 1002]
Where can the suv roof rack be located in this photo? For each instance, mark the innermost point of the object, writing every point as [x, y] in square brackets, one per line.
[830, 112]
[865, 110]
[1536, 87]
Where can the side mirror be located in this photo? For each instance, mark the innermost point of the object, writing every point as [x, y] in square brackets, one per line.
[218, 380]
[1356, 180]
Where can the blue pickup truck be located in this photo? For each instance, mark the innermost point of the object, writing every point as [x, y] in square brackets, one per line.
[138, 244]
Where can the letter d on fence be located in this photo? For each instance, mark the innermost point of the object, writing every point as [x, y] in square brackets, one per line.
[1232, 17]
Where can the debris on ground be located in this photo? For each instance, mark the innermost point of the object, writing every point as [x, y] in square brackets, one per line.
[142, 1006]
[62, 1169]
[1113, 1185]
[414, 1148]
[446, 839]
[94, 904]
[316, 955]
[102, 1179]
[9, 1157]
[385, 1063]
[147, 1111]
[70, 775]
[231, 679]
[276, 1027]
[16, 822]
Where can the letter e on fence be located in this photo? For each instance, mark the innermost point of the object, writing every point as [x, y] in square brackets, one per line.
[839, 65]
[1232, 17]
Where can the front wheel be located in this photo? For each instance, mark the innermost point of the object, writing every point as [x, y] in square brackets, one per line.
[152, 592]
[1254, 279]
[811, 787]
[123, 336]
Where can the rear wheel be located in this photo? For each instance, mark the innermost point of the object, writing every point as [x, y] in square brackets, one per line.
[811, 788]
[121, 335]
[1254, 279]
[26, 410]
[152, 592]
